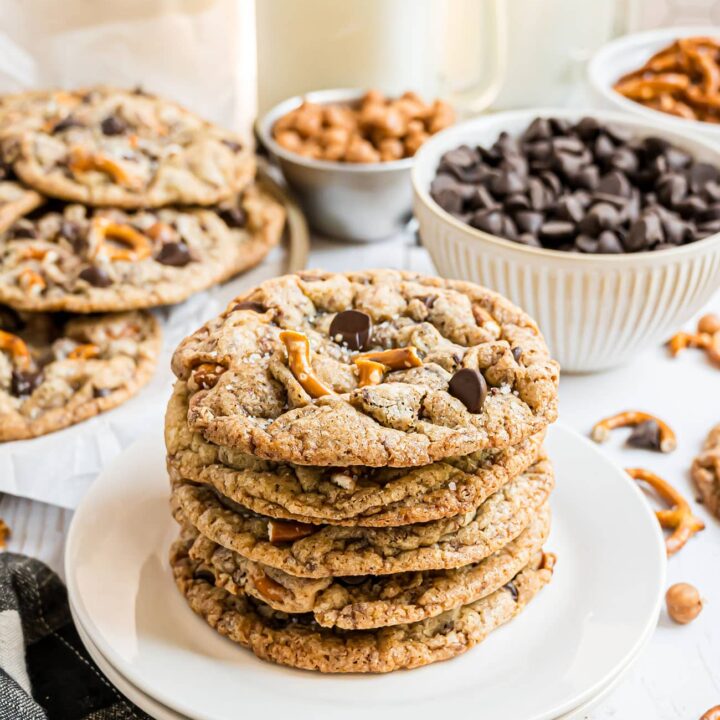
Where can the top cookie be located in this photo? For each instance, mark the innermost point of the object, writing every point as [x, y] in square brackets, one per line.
[104, 146]
[375, 368]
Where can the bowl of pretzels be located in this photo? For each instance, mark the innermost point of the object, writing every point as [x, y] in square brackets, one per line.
[669, 75]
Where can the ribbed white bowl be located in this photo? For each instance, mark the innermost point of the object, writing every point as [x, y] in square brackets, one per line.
[596, 311]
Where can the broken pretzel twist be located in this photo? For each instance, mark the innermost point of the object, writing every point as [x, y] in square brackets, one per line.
[298, 351]
[630, 418]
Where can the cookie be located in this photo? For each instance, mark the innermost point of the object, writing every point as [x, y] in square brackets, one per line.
[705, 472]
[375, 368]
[370, 497]
[15, 201]
[57, 370]
[298, 641]
[127, 149]
[84, 260]
[363, 602]
[317, 551]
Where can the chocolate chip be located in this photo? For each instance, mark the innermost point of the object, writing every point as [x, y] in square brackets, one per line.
[690, 207]
[517, 353]
[101, 392]
[529, 239]
[624, 159]
[204, 575]
[449, 200]
[351, 580]
[587, 128]
[555, 232]
[645, 435]
[539, 129]
[569, 208]
[113, 125]
[513, 203]
[65, 124]
[21, 230]
[463, 156]
[644, 233]
[95, 276]
[512, 589]
[708, 215]
[250, 305]
[614, 183]
[174, 254]
[587, 244]
[603, 148]
[233, 217]
[490, 221]
[72, 232]
[529, 221]
[609, 243]
[671, 189]
[506, 183]
[587, 178]
[235, 146]
[602, 216]
[700, 174]
[470, 388]
[24, 383]
[352, 328]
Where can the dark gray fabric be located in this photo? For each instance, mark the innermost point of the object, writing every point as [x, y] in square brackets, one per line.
[66, 684]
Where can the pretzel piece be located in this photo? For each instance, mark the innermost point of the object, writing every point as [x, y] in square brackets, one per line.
[282, 531]
[682, 340]
[138, 246]
[630, 418]
[712, 714]
[206, 375]
[298, 350]
[369, 372]
[395, 359]
[17, 348]
[86, 351]
[82, 161]
[678, 518]
[267, 587]
[31, 281]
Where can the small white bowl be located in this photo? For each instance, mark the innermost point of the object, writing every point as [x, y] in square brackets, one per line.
[596, 311]
[352, 201]
[629, 53]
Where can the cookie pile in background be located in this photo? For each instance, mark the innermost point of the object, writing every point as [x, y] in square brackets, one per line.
[357, 468]
[111, 201]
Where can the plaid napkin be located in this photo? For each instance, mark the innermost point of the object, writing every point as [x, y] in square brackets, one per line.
[45, 672]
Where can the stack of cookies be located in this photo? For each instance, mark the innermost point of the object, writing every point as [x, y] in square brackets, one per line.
[111, 201]
[357, 468]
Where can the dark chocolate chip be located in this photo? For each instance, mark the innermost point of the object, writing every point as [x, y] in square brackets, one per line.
[569, 208]
[250, 305]
[517, 353]
[204, 575]
[690, 206]
[539, 129]
[512, 589]
[21, 230]
[644, 233]
[609, 243]
[463, 156]
[101, 392]
[174, 254]
[506, 183]
[671, 189]
[655, 146]
[700, 174]
[10, 319]
[587, 128]
[529, 239]
[352, 328]
[233, 217]
[587, 178]
[96, 276]
[587, 244]
[645, 435]
[23, 383]
[677, 159]
[65, 124]
[555, 232]
[529, 221]
[470, 388]
[72, 232]
[708, 215]
[538, 193]
[603, 148]
[624, 159]
[449, 200]
[552, 181]
[614, 183]
[113, 125]
[490, 221]
[514, 203]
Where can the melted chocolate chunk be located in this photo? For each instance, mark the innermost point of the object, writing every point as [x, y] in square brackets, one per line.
[72, 232]
[233, 217]
[174, 254]
[96, 276]
[512, 589]
[645, 435]
[113, 125]
[23, 383]
[250, 305]
[517, 353]
[470, 388]
[352, 328]
[101, 392]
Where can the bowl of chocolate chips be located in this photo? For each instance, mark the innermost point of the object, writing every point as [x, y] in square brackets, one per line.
[606, 229]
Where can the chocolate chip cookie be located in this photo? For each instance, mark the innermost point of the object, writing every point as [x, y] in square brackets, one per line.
[366, 602]
[94, 260]
[129, 149]
[57, 370]
[317, 551]
[375, 368]
[298, 640]
[706, 472]
[371, 497]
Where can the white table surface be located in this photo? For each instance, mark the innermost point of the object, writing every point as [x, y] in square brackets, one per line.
[678, 675]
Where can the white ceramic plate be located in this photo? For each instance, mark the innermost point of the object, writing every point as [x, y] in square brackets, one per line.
[161, 712]
[630, 52]
[561, 652]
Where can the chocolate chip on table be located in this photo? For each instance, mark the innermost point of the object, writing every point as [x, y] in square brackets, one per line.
[352, 328]
[113, 125]
[233, 217]
[174, 254]
[24, 383]
[645, 435]
[95, 276]
[250, 305]
[470, 388]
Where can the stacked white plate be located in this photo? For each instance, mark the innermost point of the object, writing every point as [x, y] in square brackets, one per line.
[559, 657]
